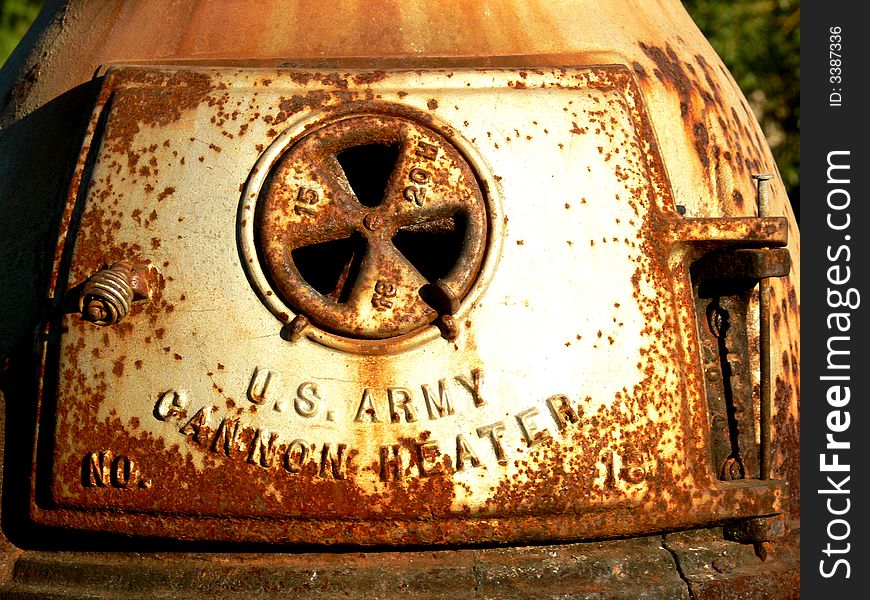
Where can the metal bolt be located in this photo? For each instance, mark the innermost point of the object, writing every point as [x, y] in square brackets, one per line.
[373, 221]
[96, 310]
[762, 193]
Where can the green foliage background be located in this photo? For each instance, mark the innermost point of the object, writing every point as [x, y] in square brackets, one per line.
[15, 17]
[759, 40]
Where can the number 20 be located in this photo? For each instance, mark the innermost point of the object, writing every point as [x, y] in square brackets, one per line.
[417, 194]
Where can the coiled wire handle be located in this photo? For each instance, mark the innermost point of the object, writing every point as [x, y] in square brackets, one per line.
[107, 295]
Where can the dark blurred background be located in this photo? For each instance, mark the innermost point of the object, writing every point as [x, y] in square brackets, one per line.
[759, 40]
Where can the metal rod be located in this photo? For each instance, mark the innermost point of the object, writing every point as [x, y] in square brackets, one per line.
[764, 339]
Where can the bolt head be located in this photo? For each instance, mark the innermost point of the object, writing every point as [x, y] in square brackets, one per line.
[96, 311]
[373, 221]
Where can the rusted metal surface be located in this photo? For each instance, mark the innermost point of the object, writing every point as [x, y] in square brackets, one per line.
[758, 530]
[530, 413]
[525, 407]
[310, 204]
[709, 141]
[627, 570]
[724, 285]
[744, 264]
[675, 566]
[715, 569]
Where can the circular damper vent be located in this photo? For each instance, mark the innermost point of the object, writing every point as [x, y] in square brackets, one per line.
[372, 226]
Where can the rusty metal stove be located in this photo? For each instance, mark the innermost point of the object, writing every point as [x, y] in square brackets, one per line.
[396, 287]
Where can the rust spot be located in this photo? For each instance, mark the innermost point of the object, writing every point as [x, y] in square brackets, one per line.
[369, 78]
[669, 71]
[639, 70]
[153, 99]
[118, 366]
[168, 191]
[702, 139]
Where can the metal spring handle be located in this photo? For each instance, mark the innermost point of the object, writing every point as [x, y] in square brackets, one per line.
[108, 295]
